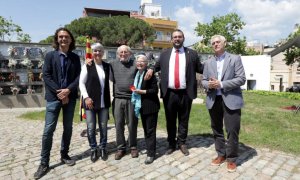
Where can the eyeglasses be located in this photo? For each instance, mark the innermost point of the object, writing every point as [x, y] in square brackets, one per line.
[123, 52]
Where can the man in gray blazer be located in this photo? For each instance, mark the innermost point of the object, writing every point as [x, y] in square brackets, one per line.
[223, 75]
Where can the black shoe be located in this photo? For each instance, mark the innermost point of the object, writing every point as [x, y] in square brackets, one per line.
[183, 148]
[42, 170]
[94, 155]
[149, 160]
[104, 155]
[170, 151]
[67, 160]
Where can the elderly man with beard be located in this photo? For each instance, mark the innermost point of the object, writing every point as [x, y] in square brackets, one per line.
[178, 85]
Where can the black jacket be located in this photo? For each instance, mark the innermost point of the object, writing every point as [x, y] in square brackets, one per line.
[93, 85]
[150, 101]
[193, 65]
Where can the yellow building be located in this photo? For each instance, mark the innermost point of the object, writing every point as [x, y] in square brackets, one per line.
[163, 29]
[150, 13]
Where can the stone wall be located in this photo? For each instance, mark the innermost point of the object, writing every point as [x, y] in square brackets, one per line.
[22, 101]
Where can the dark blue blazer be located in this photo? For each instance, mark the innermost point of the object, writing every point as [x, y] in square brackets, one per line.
[52, 74]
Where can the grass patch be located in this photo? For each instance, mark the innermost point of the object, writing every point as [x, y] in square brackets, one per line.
[264, 122]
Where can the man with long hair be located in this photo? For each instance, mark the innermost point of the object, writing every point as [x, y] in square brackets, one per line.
[61, 72]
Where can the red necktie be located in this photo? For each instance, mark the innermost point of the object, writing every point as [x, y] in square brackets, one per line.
[176, 72]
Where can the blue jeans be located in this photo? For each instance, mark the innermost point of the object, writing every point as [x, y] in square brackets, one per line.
[91, 127]
[52, 112]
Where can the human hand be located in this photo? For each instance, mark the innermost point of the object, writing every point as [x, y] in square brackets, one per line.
[65, 100]
[213, 83]
[63, 93]
[148, 74]
[139, 91]
[88, 61]
[89, 103]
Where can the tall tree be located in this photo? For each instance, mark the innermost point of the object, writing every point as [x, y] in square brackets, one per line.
[292, 55]
[48, 40]
[8, 29]
[23, 37]
[112, 31]
[227, 26]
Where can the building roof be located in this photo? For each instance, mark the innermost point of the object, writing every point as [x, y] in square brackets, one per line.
[283, 47]
[88, 11]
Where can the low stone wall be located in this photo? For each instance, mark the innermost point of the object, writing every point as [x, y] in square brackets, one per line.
[22, 101]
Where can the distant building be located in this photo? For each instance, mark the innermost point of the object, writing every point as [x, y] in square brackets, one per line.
[257, 70]
[92, 12]
[163, 29]
[256, 46]
[152, 14]
[281, 73]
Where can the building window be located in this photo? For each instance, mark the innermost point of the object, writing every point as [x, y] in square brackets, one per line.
[168, 37]
[272, 87]
[159, 35]
[277, 77]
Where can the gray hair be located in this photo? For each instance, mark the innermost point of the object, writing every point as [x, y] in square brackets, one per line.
[143, 57]
[222, 38]
[124, 46]
[97, 46]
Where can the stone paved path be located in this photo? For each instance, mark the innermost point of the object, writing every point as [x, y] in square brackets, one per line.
[20, 145]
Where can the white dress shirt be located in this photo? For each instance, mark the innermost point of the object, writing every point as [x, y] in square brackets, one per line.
[182, 69]
[220, 64]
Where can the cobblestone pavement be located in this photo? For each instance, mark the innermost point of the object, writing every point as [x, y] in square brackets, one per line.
[20, 146]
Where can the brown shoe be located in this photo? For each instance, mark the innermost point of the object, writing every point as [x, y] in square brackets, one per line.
[218, 161]
[134, 153]
[183, 148]
[231, 166]
[119, 154]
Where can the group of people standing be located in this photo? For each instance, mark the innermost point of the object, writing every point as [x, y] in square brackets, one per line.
[135, 94]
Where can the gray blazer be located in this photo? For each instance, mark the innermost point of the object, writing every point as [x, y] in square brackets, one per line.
[233, 76]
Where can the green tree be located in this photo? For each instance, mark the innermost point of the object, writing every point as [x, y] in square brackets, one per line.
[8, 29]
[227, 26]
[292, 54]
[48, 40]
[23, 37]
[112, 31]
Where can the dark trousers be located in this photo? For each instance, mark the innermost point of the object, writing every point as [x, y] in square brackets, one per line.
[52, 112]
[177, 104]
[149, 122]
[124, 114]
[232, 120]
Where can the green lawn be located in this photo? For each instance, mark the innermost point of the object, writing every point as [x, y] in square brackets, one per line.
[264, 122]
